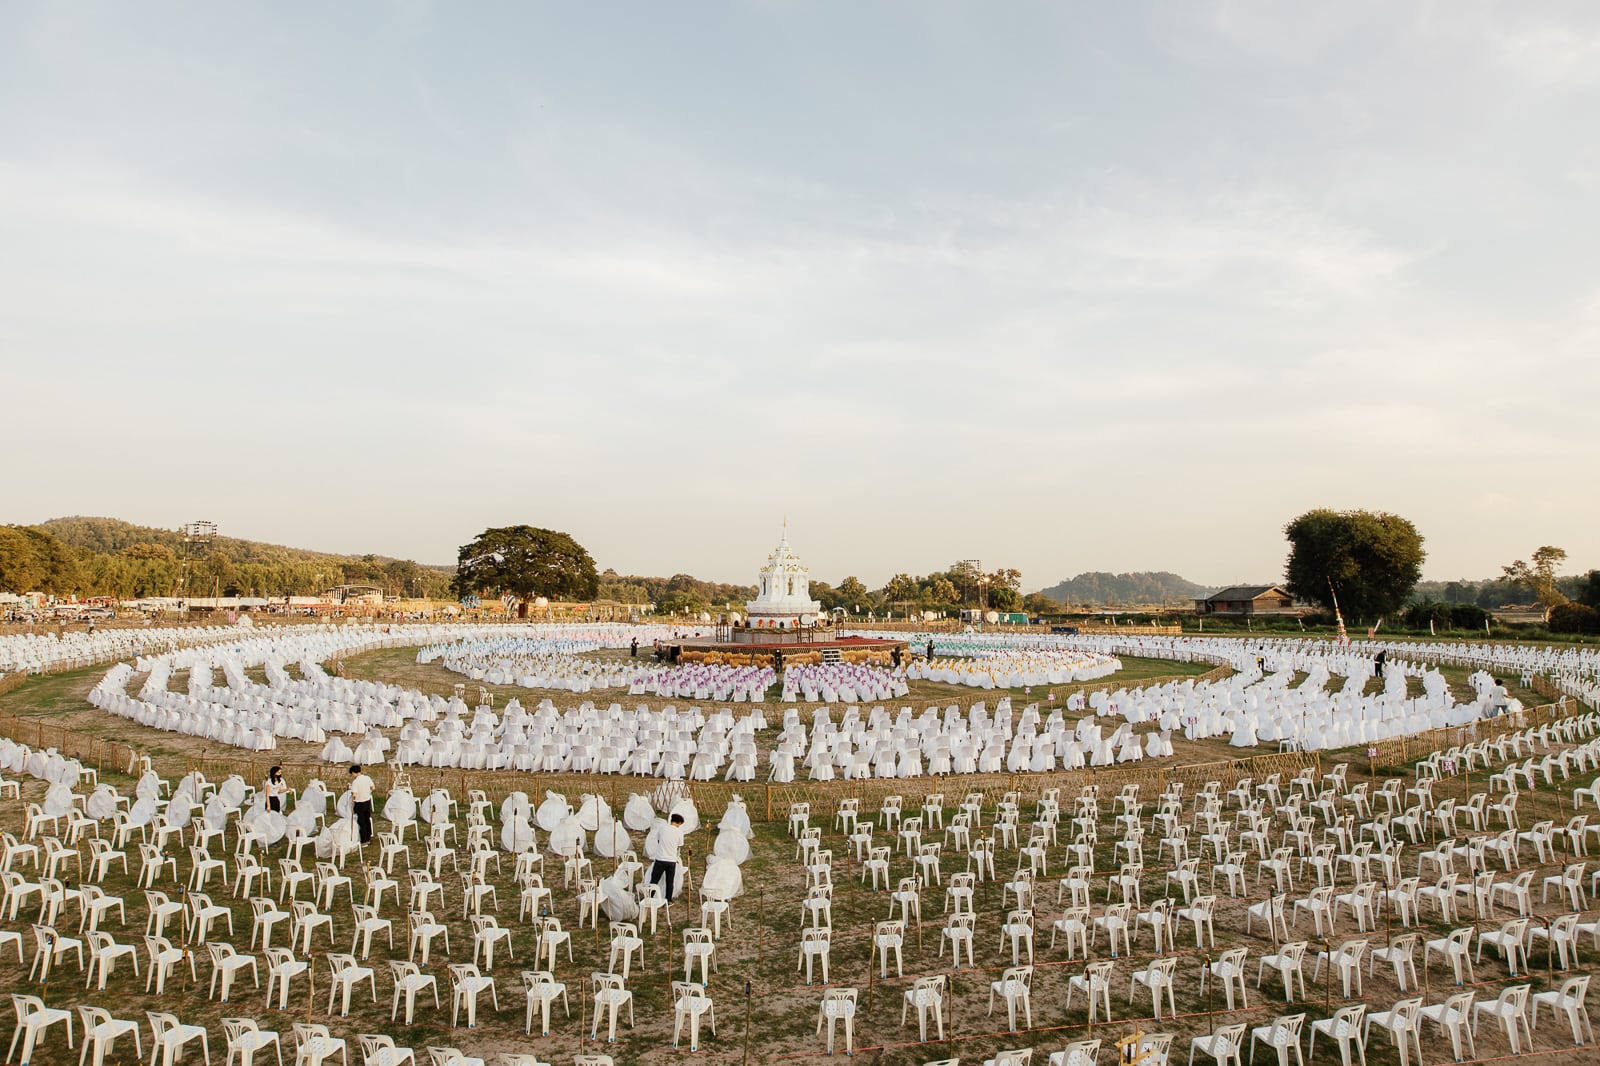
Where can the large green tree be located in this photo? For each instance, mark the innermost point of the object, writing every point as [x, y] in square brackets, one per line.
[854, 594]
[901, 590]
[1370, 559]
[1588, 592]
[32, 560]
[526, 561]
[1037, 603]
[1539, 577]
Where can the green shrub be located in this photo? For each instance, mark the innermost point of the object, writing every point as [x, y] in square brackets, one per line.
[1574, 618]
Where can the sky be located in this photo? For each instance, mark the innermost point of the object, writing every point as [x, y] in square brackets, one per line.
[1056, 286]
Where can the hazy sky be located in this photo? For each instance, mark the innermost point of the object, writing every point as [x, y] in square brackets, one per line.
[1057, 286]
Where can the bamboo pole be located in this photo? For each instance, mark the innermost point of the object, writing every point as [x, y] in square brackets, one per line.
[747, 1022]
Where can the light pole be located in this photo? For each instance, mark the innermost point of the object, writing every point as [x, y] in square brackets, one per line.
[197, 536]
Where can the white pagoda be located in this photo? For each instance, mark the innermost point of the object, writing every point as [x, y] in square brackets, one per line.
[784, 597]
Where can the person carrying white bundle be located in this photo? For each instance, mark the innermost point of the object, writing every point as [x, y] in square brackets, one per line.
[662, 846]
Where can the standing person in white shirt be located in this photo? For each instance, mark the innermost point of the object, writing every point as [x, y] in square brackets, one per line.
[668, 839]
[276, 788]
[361, 787]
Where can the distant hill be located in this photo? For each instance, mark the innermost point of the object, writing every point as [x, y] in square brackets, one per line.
[112, 535]
[107, 556]
[90, 556]
[1144, 587]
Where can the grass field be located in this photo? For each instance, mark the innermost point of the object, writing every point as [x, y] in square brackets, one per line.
[759, 948]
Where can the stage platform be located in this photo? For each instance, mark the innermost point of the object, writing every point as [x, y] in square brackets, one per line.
[796, 647]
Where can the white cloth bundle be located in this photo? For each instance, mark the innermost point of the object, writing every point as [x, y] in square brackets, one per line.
[516, 834]
[552, 811]
[611, 840]
[566, 837]
[637, 814]
[723, 879]
[616, 901]
[731, 845]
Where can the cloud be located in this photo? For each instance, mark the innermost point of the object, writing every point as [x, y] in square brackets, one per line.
[1552, 56]
[1180, 276]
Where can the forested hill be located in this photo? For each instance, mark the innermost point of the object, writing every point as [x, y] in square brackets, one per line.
[112, 536]
[106, 556]
[1144, 587]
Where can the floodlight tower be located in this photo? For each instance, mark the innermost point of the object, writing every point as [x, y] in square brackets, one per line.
[197, 538]
[971, 570]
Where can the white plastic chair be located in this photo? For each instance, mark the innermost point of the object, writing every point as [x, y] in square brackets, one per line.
[33, 1019]
[1157, 978]
[1224, 1045]
[344, 973]
[226, 963]
[839, 1005]
[1568, 999]
[1283, 1035]
[689, 1004]
[1346, 1026]
[281, 966]
[1403, 1023]
[927, 996]
[466, 985]
[245, 1038]
[1452, 1016]
[1095, 984]
[1510, 1009]
[100, 1032]
[1289, 961]
[168, 1036]
[609, 996]
[314, 1045]
[1347, 959]
[815, 945]
[1013, 986]
[542, 988]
